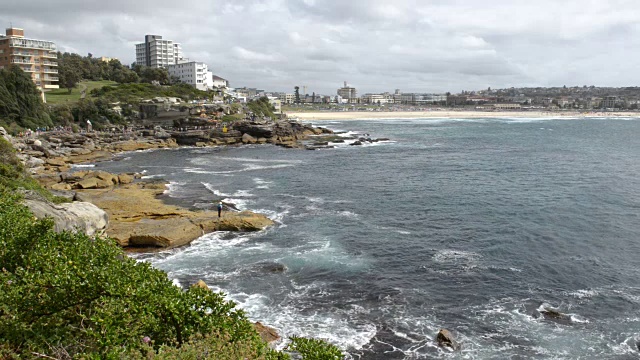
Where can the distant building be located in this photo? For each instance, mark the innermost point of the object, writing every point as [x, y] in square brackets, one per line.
[194, 73]
[609, 102]
[287, 98]
[219, 82]
[276, 103]
[348, 93]
[156, 52]
[106, 59]
[35, 57]
[507, 106]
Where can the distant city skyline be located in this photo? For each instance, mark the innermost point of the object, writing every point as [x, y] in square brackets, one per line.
[374, 45]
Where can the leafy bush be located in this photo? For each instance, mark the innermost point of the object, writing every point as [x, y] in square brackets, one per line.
[20, 101]
[262, 107]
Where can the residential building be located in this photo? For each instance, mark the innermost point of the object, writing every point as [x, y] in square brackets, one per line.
[287, 98]
[609, 102]
[194, 73]
[348, 93]
[37, 58]
[219, 82]
[106, 59]
[378, 99]
[276, 103]
[156, 52]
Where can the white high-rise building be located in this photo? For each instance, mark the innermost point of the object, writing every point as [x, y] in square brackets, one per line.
[156, 52]
[194, 73]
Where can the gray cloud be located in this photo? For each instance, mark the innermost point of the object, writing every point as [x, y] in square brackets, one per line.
[376, 45]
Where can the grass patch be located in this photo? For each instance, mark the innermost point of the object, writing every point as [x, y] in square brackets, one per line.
[62, 96]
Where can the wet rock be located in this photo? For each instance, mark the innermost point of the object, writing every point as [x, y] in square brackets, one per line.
[356, 143]
[555, 316]
[446, 340]
[270, 267]
[268, 334]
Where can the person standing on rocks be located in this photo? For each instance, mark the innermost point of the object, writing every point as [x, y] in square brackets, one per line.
[219, 208]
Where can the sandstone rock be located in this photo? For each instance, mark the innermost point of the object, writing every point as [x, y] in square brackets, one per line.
[201, 284]
[125, 179]
[90, 183]
[262, 140]
[445, 339]
[75, 216]
[103, 184]
[55, 162]
[108, 177]
[61, 187]
[165, 233]
[268, 334]
[37, 142]
[248, 139]
[243, 221]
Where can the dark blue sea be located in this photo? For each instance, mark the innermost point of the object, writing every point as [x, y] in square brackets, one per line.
[473, 225]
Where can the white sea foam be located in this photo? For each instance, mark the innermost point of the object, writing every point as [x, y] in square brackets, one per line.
[153, 176]
[83, 165]
[446, 256]
[215, 191]
[172, 186]
[241, 204]
[261, 183]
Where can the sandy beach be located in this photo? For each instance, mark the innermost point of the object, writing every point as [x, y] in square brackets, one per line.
[355, 115]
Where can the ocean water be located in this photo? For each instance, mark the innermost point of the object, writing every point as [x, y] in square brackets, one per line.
[469, 225]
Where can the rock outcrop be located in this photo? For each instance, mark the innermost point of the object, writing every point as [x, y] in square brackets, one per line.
[446, 340]
[74, 216]
[268, 334]
[138, 218]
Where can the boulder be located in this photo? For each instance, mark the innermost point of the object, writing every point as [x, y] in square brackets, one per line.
[75, 216]
[108, 177]
[61, 187]
[356, 143]
[5, 134]
[125, 179]
[243, 221]
[33, 162]
[248, 139]
[268, 334]
[201, 284]
[155, 232]
[445, 339]
[90, 183]
[55, 162]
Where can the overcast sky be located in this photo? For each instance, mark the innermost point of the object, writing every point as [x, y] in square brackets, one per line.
[375, 45]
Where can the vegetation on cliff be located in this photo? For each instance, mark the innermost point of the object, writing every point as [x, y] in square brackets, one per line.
[262, 107]
[68, 295]
[20, 102]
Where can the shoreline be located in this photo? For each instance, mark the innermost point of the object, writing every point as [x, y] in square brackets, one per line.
[464, 114]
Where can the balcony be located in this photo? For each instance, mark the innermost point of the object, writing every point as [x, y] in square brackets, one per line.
[49, 63]
[50, 56]
[21, 53]
[32, 44]
[50, 78]
[50, 71]
[27, 69]
[51, 86]
[22, 61]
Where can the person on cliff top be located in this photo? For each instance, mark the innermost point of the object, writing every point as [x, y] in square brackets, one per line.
[219, 208]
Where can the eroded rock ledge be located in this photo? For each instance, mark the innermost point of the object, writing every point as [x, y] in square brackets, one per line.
[138, 218]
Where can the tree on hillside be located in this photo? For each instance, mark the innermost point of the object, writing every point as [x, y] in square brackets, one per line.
[297, 94]
[68, 76]
[20, 101]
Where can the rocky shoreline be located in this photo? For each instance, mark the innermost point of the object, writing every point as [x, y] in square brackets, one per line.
[125, 207]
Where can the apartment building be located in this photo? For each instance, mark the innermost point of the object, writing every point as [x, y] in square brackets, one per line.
[157, 52]
[349, 93]
[194, 73]
[35, 57]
